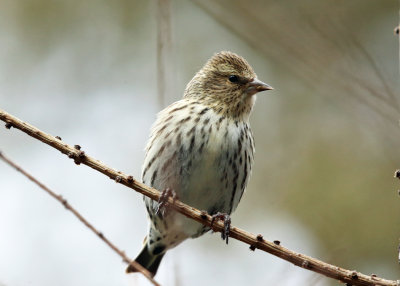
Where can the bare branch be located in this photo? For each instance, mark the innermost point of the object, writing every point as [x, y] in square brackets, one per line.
[65, 203]
[255, 241]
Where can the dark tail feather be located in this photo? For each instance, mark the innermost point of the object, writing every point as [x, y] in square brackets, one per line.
[147, 260]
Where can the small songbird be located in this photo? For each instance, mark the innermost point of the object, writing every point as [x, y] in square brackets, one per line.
[201, 147]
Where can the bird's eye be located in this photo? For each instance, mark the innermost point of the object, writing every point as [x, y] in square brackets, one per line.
[233, 78]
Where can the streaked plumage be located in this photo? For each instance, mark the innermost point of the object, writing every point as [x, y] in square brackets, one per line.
[201, 147]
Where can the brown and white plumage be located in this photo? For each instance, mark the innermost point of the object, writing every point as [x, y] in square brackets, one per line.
[201, 147]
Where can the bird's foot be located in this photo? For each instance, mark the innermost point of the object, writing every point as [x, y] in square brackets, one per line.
[227, 224]
[163, 206]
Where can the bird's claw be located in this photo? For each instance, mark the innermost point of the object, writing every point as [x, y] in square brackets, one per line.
[227, 224]
[162, 207]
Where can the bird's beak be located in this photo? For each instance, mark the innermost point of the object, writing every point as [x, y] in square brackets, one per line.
[257, 85]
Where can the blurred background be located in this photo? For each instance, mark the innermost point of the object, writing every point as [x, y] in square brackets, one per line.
[327, 137]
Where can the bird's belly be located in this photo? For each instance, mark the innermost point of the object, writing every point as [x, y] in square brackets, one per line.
[205, 188]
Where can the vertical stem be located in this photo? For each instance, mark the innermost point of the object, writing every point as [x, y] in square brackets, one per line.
[165, 63]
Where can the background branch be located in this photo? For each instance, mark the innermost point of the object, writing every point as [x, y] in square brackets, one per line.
[255, 241]
[165, 62]
[65, 203]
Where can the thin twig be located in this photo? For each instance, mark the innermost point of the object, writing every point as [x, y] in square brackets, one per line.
[165, 63]
[65, 203]
[255, 241]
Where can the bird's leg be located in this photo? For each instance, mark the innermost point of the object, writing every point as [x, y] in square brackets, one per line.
[227, 224]
[162, 208]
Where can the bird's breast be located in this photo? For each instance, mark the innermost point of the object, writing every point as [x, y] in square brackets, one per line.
[203, 155]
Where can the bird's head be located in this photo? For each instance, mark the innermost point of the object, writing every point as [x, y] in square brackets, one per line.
[228, 84]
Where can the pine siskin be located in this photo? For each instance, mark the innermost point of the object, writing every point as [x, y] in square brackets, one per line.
[202, 148]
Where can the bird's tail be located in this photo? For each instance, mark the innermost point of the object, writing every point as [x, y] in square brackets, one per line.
[148, 260]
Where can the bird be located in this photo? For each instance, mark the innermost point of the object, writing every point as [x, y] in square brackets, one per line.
[200, 150]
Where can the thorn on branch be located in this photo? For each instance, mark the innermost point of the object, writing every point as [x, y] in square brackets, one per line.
[77, 147]
[58, 137]
[397, 30]
[8, 125]
[118, 179]
[77, 158]
[130, 179]
[397, 174]
[259, 238]
[64, 202]
[203, 215]
[277, 242]
[354, 275]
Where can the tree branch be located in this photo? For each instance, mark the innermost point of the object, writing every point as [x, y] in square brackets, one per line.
[255, 241]
[65, 203]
